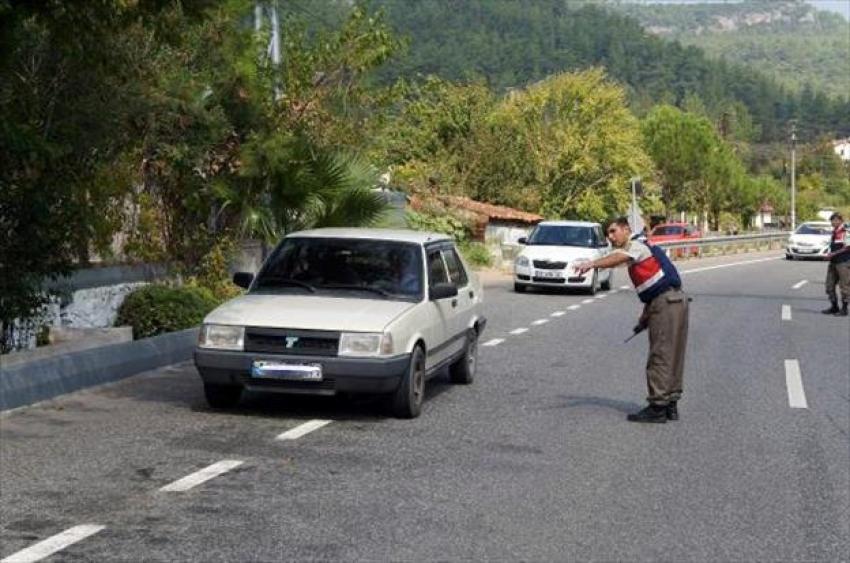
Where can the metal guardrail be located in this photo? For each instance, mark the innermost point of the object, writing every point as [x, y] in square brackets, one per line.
[727, 240]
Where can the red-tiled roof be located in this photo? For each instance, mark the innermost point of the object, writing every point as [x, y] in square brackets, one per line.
[491, 211]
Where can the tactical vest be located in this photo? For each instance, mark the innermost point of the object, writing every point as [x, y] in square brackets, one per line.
[654, 275]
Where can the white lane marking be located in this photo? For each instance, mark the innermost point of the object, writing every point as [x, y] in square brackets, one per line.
[613, 291]
[51, 545]
[799, 284]
[202, 476]
[494, 342]
[601, 296]
[574, 307]
[558, 314]
[624, 287]
[519, 330]
[586, 301]
[540, 322]
[302, 429]
[786, 312]
[744, 263]
[794, 382]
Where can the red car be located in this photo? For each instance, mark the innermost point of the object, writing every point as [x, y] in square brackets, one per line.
[676, 232]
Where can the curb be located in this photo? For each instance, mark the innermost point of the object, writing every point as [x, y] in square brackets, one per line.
[43, 379]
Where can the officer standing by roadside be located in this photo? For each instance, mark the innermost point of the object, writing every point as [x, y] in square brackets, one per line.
[665, 313]
[838, 271]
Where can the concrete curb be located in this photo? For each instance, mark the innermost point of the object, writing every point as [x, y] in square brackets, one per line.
[46, 378]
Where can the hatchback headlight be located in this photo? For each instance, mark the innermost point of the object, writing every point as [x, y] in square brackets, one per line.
[523, 262]
[365, 344]
[222, 337]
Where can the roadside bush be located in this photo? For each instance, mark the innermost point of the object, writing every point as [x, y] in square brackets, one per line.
[157, 309]
[476, 254]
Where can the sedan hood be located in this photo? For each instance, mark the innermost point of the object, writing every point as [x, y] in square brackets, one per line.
[309, 312]
[814, 240]
[557, 253]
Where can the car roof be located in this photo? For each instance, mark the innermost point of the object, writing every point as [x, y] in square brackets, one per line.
[568, 224]
[673, 224]
[399, 235]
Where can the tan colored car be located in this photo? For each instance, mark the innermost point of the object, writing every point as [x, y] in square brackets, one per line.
[346, 311]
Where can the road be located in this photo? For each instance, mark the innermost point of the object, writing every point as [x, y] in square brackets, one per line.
[534, 461]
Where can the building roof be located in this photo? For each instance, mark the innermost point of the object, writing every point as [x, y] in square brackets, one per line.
[566, 223]
[400, 235]
[491, 211]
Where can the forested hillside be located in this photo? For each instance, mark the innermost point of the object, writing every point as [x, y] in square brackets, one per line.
[511, 43]
[790, 41]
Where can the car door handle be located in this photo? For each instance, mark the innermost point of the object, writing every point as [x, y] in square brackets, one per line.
[454, 302]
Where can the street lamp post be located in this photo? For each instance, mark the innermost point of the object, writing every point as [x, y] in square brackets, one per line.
[793, 177]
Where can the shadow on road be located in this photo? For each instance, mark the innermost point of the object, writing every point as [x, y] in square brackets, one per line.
[578, 401]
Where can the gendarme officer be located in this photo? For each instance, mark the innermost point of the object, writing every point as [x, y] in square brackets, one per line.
[665, 313]
[838, 271]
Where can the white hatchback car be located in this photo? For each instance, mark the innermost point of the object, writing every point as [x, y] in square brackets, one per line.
[346, 310]
[810, 240]
[552, 246]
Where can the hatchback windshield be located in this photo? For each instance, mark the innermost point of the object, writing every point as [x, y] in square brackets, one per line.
[807, 229]
[562, 235]
[374, 268]
[669, 230]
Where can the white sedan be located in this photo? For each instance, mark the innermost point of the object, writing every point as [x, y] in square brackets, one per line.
[550, 250]
[810, 240]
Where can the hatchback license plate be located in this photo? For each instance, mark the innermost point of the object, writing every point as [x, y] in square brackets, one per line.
[289, 372]
[548, 274]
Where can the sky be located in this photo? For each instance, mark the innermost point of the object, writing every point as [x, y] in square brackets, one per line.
[839, 6]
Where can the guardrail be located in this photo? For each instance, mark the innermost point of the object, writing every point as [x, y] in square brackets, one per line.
[728, 240]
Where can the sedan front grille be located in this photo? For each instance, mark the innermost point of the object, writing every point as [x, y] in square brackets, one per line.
[291, 341]
[549, 265]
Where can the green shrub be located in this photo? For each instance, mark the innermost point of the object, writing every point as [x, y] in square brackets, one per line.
[476, 254]
[156, 309]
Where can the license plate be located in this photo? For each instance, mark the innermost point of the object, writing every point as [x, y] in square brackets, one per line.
[548, 274]
[289, 372]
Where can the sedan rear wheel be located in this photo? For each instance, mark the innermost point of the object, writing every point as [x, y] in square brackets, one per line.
[463, 370]
[407, 400]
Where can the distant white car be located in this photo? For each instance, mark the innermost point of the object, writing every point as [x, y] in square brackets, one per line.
[810, 240]
[346, 311]
[548, 252]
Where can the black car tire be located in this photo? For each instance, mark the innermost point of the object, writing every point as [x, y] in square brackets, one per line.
[463, 370]
[606, 285]
[407, 400]
[594, 283]
[789, 257]
[222, 396]
[519, 287]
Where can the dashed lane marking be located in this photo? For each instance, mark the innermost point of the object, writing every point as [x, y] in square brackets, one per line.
[202, 476]
[799, 284]
[519, 330]
[794, 382]
[601, 296]
[494, 342]
[540, 322]
[558, 314]
[786, 312]
[624, 287]
[574, 307]
[53, 544]
[586, 301]
[303, 429]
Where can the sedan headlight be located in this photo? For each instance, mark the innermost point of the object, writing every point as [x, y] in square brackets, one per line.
[523, 262]
[365, 344]
[222, 337]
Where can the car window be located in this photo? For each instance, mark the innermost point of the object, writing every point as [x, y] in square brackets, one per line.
[561, 235]
[436, 268]
[456, 271]
[667, 230]
[807, 229]
[379, 267]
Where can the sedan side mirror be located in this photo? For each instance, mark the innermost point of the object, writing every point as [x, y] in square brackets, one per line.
[442, 291]
[522, 240]
[243, 279]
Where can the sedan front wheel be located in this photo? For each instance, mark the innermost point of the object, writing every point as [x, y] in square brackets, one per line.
[407, 400]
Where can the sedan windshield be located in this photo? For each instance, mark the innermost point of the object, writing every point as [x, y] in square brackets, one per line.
[666, 231]
[813, 230]
[370, 268]
[562, 235]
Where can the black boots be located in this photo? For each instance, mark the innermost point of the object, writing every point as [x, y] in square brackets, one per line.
[652, 413]
[832, 310]
[672, 411]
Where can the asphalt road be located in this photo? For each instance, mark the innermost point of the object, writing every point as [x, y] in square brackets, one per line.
[534, 461]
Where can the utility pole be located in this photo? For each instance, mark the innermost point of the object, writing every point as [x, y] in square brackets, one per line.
[793, 176]
[273, 50]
